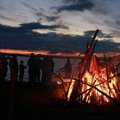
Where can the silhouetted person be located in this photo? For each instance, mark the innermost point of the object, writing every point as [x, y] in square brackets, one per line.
[68, 68]
[21, 71]
[5, 67]
[1, 68]
[51, 66]
[38, 68]
[13, 69]
[44, 75]
[46, 70]
[32, 69]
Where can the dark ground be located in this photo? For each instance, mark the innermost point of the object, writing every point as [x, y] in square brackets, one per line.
[35, 103]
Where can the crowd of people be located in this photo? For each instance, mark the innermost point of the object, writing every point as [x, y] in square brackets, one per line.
[36, 65]
[40, 69]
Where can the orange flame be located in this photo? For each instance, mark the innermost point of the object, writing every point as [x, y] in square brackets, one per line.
[96, 78]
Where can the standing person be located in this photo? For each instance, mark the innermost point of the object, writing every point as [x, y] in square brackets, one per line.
[21, 71]
[1, 68]
[45, 70]
[68, 68]
[51, 66]
[14, 74]
[32, 69]
[38, 68]
[13, 69]
[44, 75]
[5, 67]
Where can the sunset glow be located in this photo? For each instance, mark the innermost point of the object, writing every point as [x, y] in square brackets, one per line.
[59, 54]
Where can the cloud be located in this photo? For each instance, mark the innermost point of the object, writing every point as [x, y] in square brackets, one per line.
[39, 14]
[6, 18]
[35, 25]
[107, 45]
[14, 39]
[108, 10]
[105, 11]
[115, 26]
[27, 27]
[24, 38]
[29, 6]
[100, 34]
[1, 8]
[75, 5]
[51, 18]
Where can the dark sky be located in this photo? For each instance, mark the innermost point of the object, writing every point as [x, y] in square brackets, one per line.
[59, 25]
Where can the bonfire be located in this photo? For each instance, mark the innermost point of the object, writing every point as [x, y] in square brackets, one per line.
[95, 82]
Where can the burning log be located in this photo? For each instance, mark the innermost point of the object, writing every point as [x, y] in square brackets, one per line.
[116, 102]
[92, 86]
[107, 88]
[89, 92]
